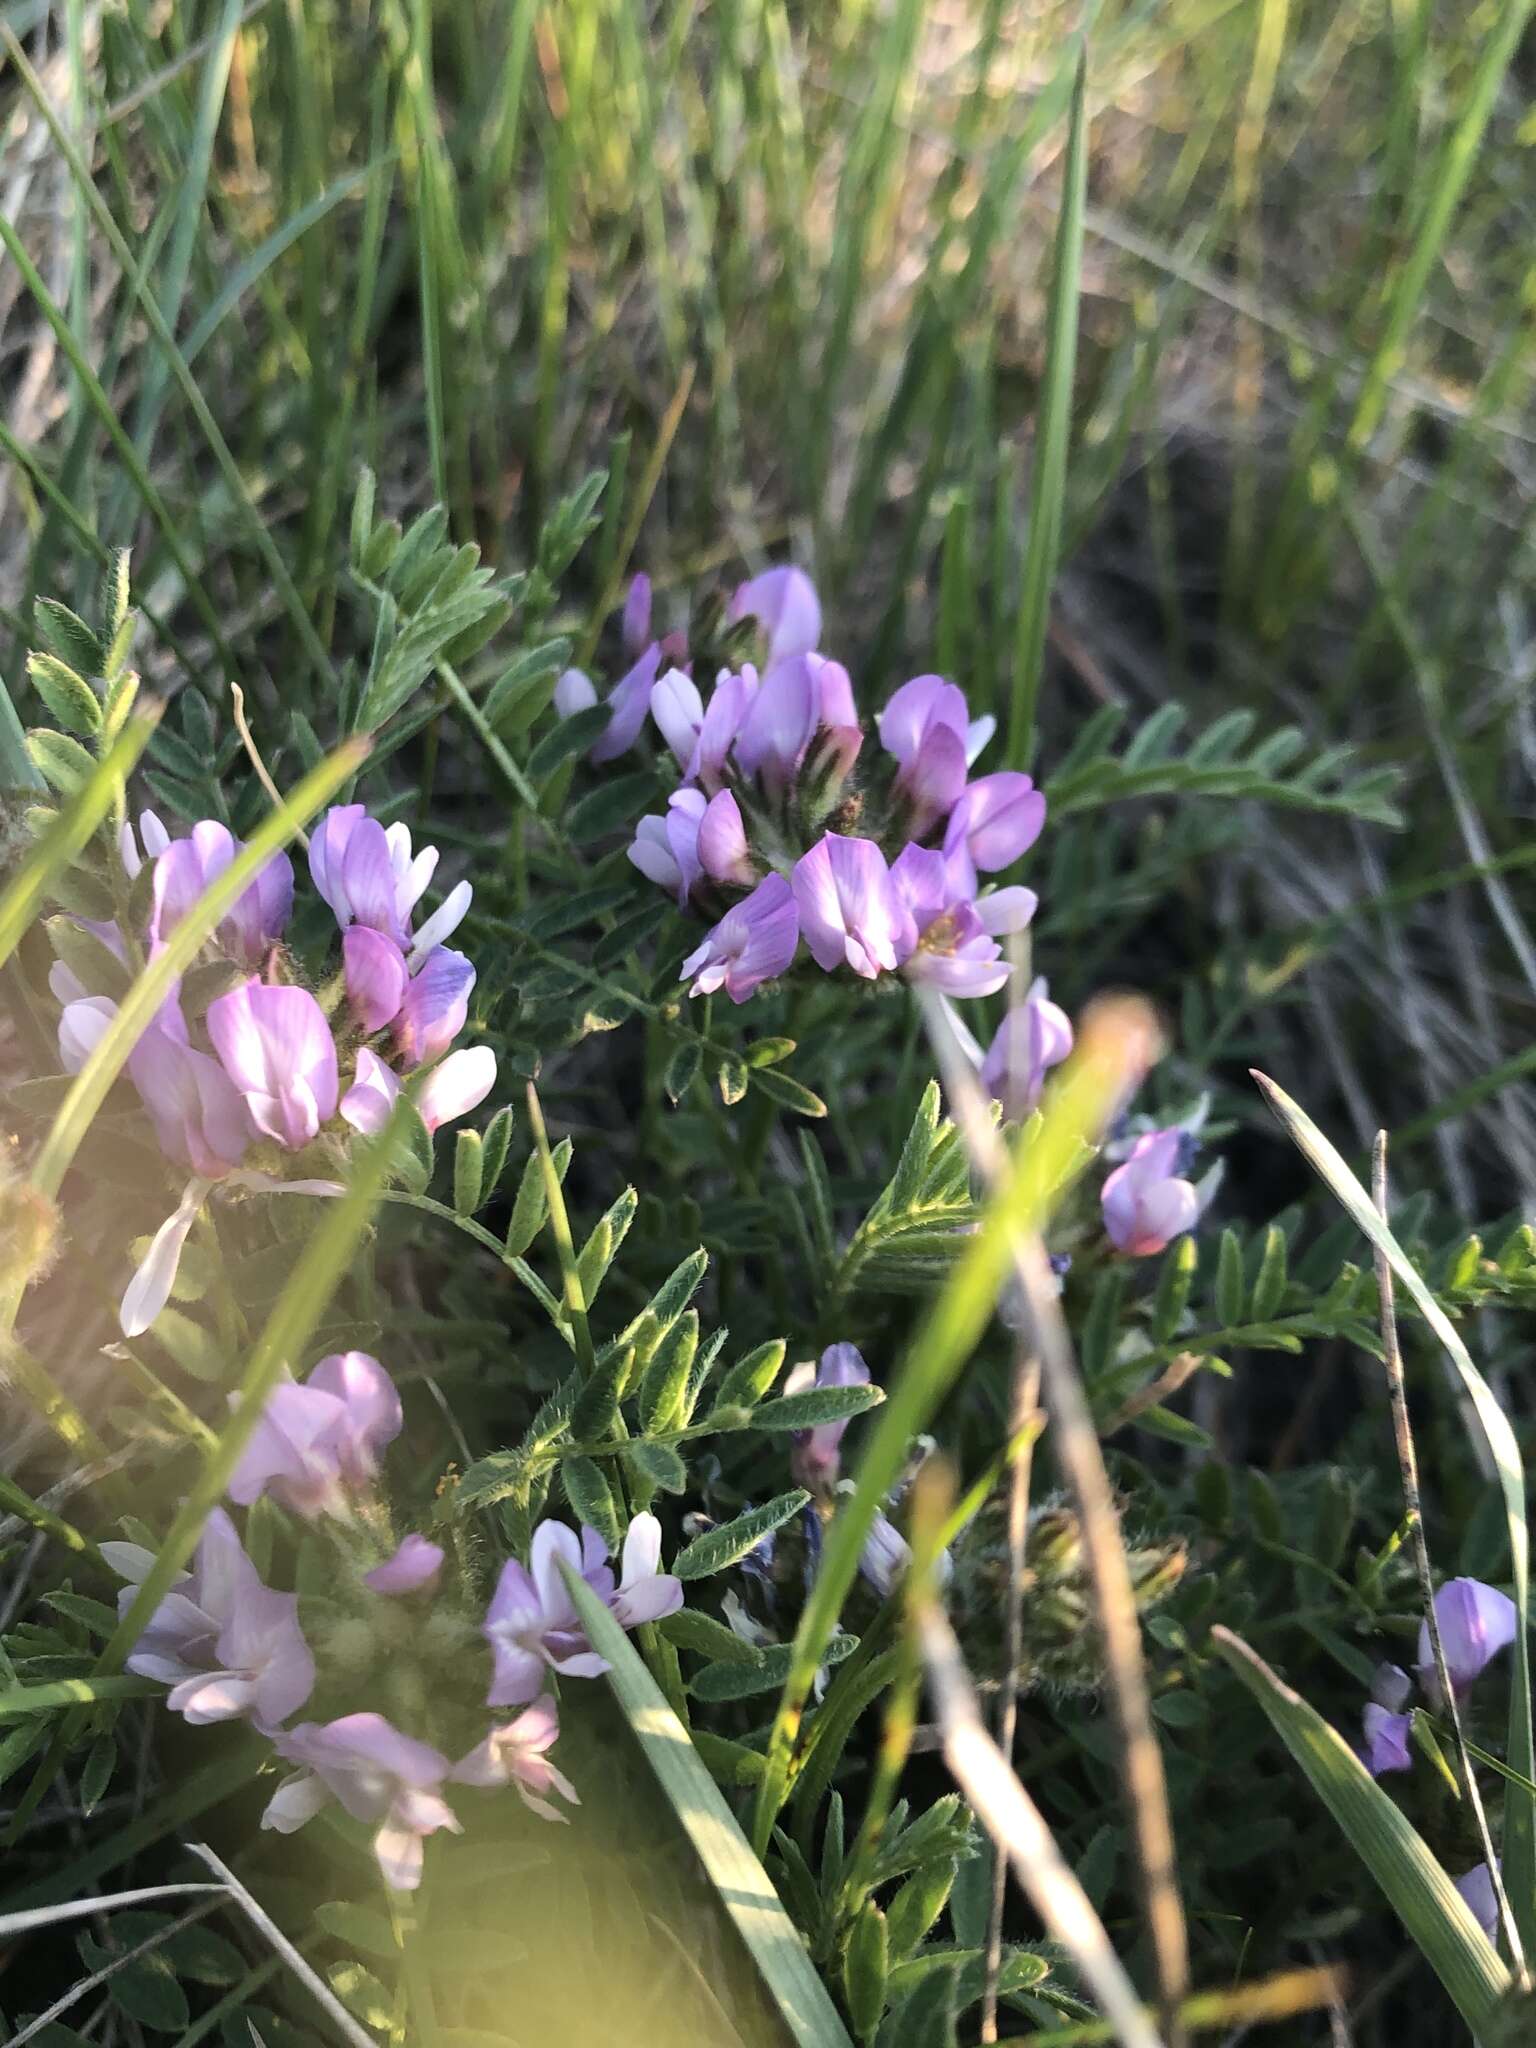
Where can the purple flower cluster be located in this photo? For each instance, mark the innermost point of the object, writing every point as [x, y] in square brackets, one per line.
[784, 826]
[1475, 1622]
[230, 1647]
[263, 1067]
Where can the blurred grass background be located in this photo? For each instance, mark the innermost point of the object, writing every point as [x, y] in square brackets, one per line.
[482, 247]
[486, 248]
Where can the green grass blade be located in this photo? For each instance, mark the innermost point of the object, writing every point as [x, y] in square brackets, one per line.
[255, 526]
[260, 260]
[23, 1700]
[1048, 479]
[150, 990]
[1420, 1892]
[1519, 1850]
[1444, 183]
[63, 840]
[1039, 1170]
[16, 769]
[744, 1886]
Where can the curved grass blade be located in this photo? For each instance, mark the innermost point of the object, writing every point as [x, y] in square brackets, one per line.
[1519, 1808]
[68, 834]
[24, 1700]
[745, 1889]
[1048, 480]
[1418, 1889]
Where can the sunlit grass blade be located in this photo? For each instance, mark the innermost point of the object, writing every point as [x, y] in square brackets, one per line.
[743, 1885]
[70, 831]
[1398, 1858]
[1519, 1848]
[1048, 477]
[950, 1331]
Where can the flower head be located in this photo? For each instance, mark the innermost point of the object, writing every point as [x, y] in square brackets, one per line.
[229, 1647]
[377, 1774]
[1481, 1900]
[815, 1459]
[1145, 1202]
[754, 942]
[1034, 1036]
[518, 1754]
[319, 1441]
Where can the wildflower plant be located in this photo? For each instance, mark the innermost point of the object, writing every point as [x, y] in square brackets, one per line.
[574, 1227]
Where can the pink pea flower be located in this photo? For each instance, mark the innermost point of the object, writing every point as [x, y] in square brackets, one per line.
[185, 869]
[678, 710]
[82, 1026]
[454, 1087]
[1476, 1622]
[1035, 1036]
[415, 1565]
[1387, 1727]
[1480, 1898]
[666, 850]
[926, 725]
[435, 1007]
[635, 623]
[229, 1647]
[518, 1755]
[351, 864]
[628, 702]
[376, 976]
[645, 1592]
[923, 707]
[575, 691]
[319, 1441]
[277, 1048]
[1145, 1203]
[849, 911]
[727, 708]
[953, 932]
[816, 1460]
[784, 603]
[377, 1774]
[201, 1117]
[723, 851]
[754, 942]
[779, 723]
[532, 1624]
[995, 820]
[151, 834]
[887, 1554]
